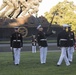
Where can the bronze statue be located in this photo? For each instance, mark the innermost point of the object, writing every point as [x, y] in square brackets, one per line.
[25, 7]
[18, 8]
[17, 12]
[34, 6]
[9, 7]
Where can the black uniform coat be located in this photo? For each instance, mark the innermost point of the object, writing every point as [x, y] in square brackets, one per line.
[33, 41]
[71, 39]
[41, 38]
[62, 39]
[16, 40]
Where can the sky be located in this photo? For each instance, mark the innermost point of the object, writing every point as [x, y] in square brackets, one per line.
[46, 5]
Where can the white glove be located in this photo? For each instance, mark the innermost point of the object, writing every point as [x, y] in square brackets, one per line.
[39, 46]
[11, 48]
[21, 47]
[53, 31]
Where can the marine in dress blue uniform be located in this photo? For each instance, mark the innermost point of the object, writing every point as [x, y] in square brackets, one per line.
[16, 43]
[71, 42]
[42, 42]
[62, 42]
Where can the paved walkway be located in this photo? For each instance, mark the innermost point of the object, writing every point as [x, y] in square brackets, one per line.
[27, 44]
[27, 47]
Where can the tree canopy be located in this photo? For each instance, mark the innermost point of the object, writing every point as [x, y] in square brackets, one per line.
[63, 13]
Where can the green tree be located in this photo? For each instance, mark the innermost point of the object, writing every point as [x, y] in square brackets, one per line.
[65, 13]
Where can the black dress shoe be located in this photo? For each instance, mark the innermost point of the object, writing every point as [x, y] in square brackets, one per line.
[17, 64]
[70, 61]
[58, 65]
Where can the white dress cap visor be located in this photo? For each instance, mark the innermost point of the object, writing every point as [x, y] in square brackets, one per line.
[65, 25]
[38, 26]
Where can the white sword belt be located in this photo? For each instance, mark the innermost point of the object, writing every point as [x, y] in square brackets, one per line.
[63, 39]
[17, 40]
[43, 39]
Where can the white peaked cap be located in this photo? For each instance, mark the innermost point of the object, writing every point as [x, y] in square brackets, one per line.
[38, 26]
[15, 27]
[65, 25]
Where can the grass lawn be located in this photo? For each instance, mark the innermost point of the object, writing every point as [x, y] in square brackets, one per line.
[30, 65]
